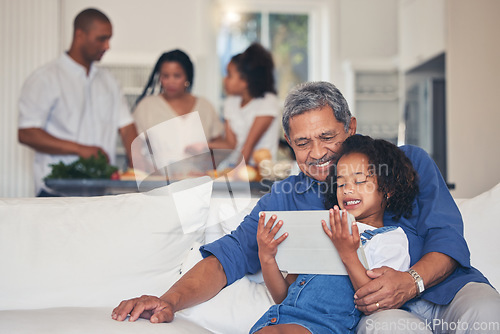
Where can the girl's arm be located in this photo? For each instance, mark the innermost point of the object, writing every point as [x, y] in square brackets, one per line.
[226, 142]
[356, 271]
[347, 245]
[268, 247]
[259, 127]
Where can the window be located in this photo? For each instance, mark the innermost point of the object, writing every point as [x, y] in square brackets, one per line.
[285, 35]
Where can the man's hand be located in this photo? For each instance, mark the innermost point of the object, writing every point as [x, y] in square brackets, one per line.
[389, 289]
[147, 307]
[85, 151]
[41, 141]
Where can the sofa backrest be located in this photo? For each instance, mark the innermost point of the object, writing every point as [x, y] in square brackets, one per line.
[481, 216]
[97, 251]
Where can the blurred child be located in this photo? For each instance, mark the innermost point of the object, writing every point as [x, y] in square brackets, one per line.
[251, 110]
[370, 177]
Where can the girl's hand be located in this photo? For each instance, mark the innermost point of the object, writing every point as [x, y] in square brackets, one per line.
[196, 148]
[346, 243]
[268, 246]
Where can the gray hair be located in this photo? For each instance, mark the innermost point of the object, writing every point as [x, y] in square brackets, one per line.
[315, 95]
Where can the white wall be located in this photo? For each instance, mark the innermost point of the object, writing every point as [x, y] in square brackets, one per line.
[473, 111]
[368, 29]
[30, 37]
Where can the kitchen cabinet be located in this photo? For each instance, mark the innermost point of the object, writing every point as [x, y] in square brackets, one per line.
[373, 96]
[132, 79]
[422, 26]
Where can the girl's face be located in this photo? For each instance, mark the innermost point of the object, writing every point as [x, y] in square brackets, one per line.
[172, 79]
[233, 83]
[357, 188]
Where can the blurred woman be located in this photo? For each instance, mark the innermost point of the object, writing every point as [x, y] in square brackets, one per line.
[173, 75]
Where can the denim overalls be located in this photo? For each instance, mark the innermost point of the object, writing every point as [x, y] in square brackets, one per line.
[320, 303]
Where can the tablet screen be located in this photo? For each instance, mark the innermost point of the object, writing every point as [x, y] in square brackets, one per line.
[307, 249]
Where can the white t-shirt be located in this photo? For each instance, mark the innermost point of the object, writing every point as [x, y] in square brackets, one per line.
[386, 249]
[241, 119]
[61, 99]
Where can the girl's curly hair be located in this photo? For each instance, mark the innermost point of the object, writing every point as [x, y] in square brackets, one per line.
[397, 179]
[256, 67]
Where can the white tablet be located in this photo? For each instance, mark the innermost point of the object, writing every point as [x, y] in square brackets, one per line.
[307, 249]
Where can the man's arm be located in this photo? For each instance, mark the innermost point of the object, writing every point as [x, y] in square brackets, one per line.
[434, 268]
[40, 140]
[128, 133]
[393, 288]
[199, 284]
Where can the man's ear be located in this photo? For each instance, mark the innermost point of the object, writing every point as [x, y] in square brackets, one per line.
[79, 35]
[288, 140]
[352, 126]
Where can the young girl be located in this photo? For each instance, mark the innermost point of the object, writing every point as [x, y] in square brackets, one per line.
[251, 110]
[371, 177]
[174, 74]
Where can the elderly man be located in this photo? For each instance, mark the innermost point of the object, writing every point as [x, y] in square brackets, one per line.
[70, 108]
[441, 284]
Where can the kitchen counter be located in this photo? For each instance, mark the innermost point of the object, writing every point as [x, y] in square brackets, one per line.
[100, 187]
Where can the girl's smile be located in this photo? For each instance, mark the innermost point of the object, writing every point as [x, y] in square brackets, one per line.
[357, 189]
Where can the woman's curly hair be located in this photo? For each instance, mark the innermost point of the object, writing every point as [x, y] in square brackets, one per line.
[397, 179]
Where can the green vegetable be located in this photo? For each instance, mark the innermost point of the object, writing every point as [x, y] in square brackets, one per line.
[83, 168]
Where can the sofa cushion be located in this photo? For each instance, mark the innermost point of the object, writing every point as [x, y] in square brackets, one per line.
[235, 309]
[480, 215]
[78, 320]
[97, 251]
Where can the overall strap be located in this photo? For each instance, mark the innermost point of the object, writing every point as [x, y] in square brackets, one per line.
[368, 234]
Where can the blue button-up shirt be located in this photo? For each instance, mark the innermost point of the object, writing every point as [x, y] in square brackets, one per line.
[435, 226]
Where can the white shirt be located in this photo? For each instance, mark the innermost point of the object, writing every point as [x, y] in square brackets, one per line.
[386, 249]
[241, 119]
[61, 99]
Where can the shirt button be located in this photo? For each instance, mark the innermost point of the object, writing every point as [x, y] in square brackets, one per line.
[302, 283]
[273, 320]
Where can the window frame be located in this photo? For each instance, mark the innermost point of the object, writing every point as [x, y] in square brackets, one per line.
[320, 35]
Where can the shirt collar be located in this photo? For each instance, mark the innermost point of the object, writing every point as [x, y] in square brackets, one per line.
[78, 68]
[306, 183]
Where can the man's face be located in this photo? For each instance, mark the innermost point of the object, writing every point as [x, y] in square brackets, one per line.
[316, 137]
[95, 41]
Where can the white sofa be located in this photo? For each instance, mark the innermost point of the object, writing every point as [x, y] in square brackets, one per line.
[67, 262]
